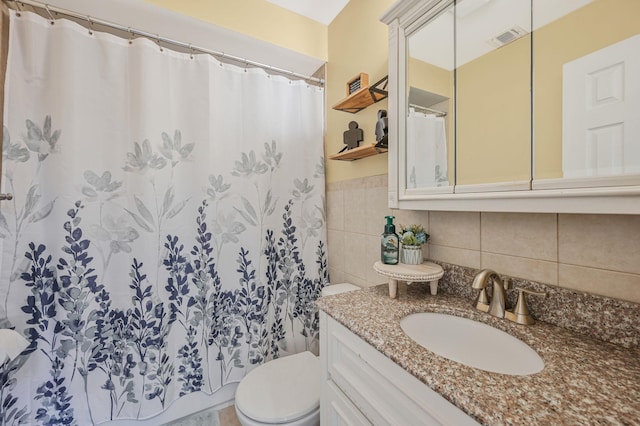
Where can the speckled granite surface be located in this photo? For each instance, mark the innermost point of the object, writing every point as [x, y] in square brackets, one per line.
[585, 381]
[603, 318]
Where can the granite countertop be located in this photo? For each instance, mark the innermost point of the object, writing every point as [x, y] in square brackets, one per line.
[584, 381]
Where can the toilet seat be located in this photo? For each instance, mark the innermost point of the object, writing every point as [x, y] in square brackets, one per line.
[281, 391]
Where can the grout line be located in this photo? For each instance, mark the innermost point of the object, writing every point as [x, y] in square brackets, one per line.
[480, 237]
[558, 247]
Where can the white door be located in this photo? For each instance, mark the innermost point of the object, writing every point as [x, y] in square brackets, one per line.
[601, 112]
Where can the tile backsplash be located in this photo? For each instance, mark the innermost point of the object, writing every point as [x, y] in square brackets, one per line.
[595, 254]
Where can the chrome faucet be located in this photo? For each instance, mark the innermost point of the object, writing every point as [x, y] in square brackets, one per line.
[497, 305]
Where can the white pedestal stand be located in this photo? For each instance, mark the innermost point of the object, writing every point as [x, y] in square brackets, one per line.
[425, 272]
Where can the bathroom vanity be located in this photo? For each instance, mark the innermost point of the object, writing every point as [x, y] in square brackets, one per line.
[373, 373]
[360, 386]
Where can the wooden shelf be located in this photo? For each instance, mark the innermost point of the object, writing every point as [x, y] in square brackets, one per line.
[363, 97]
[359, 152]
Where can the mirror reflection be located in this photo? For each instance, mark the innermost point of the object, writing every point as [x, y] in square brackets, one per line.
[587, 80]
[582, 77]
[493, 87]
[489, 70]
[430, 151]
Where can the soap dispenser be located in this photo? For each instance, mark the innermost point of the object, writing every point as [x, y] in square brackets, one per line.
[389, 243]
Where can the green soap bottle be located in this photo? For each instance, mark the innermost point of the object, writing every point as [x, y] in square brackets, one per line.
[389, 243]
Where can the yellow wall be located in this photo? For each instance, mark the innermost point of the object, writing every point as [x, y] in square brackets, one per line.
[358, 42]
[259, 19]
[493, 129]
[430, 78]
[590, 28]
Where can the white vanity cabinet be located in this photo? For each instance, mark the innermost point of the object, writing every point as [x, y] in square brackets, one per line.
[361, 386]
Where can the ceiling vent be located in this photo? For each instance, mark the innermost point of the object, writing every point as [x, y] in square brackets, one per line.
[507, 36]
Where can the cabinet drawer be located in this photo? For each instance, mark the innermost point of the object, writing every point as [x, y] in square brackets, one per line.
[338, 410]
[384, 392]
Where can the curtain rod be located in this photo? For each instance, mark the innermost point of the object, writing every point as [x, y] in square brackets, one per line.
[435, 111]
[159, 39]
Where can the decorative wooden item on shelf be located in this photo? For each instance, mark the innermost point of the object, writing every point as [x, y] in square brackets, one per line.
[357, 83]
[360, 95]
[353, 136]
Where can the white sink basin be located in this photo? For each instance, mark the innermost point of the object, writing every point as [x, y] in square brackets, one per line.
[472, 343]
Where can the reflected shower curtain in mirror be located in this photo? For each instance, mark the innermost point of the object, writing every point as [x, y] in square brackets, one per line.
[167, 232]
[426, 150]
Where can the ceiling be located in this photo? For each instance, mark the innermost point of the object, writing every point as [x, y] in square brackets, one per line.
[323, 11]
[478, 23]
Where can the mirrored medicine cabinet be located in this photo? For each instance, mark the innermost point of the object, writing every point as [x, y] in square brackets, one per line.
[514, 105]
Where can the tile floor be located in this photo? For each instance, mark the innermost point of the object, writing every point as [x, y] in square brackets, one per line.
[227, 416]
[223, 417]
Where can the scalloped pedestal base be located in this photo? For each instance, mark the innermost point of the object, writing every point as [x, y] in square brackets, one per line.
[425, 272]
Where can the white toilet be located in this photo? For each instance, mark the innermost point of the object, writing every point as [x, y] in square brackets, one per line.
[285, 391]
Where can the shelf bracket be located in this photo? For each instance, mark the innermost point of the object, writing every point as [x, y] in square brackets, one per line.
[379, 93]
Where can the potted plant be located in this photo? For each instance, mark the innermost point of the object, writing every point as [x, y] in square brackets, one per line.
[412, 239]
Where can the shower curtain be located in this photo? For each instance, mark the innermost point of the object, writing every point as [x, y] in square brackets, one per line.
[426, 150]
[167, 231]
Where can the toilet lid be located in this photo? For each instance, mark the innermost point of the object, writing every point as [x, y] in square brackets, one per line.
[338, 288]
[281, 390]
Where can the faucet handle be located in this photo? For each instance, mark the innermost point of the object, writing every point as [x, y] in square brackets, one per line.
[482, 303]
[507, 284]
[520, 314]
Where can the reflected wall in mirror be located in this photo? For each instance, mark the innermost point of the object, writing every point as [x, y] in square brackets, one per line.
[430, 150]
[587, 98]
[493, 92]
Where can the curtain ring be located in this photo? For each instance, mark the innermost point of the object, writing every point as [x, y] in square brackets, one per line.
[90, 25]
[19, 12]
[130, 35]
[158, 41]
[51, 18]
[246, 65]
[191, 51]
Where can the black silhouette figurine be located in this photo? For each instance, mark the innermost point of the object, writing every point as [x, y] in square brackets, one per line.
[353, 136]
[382, 130]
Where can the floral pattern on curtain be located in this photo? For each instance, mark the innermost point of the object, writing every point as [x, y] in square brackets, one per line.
[167, 231]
